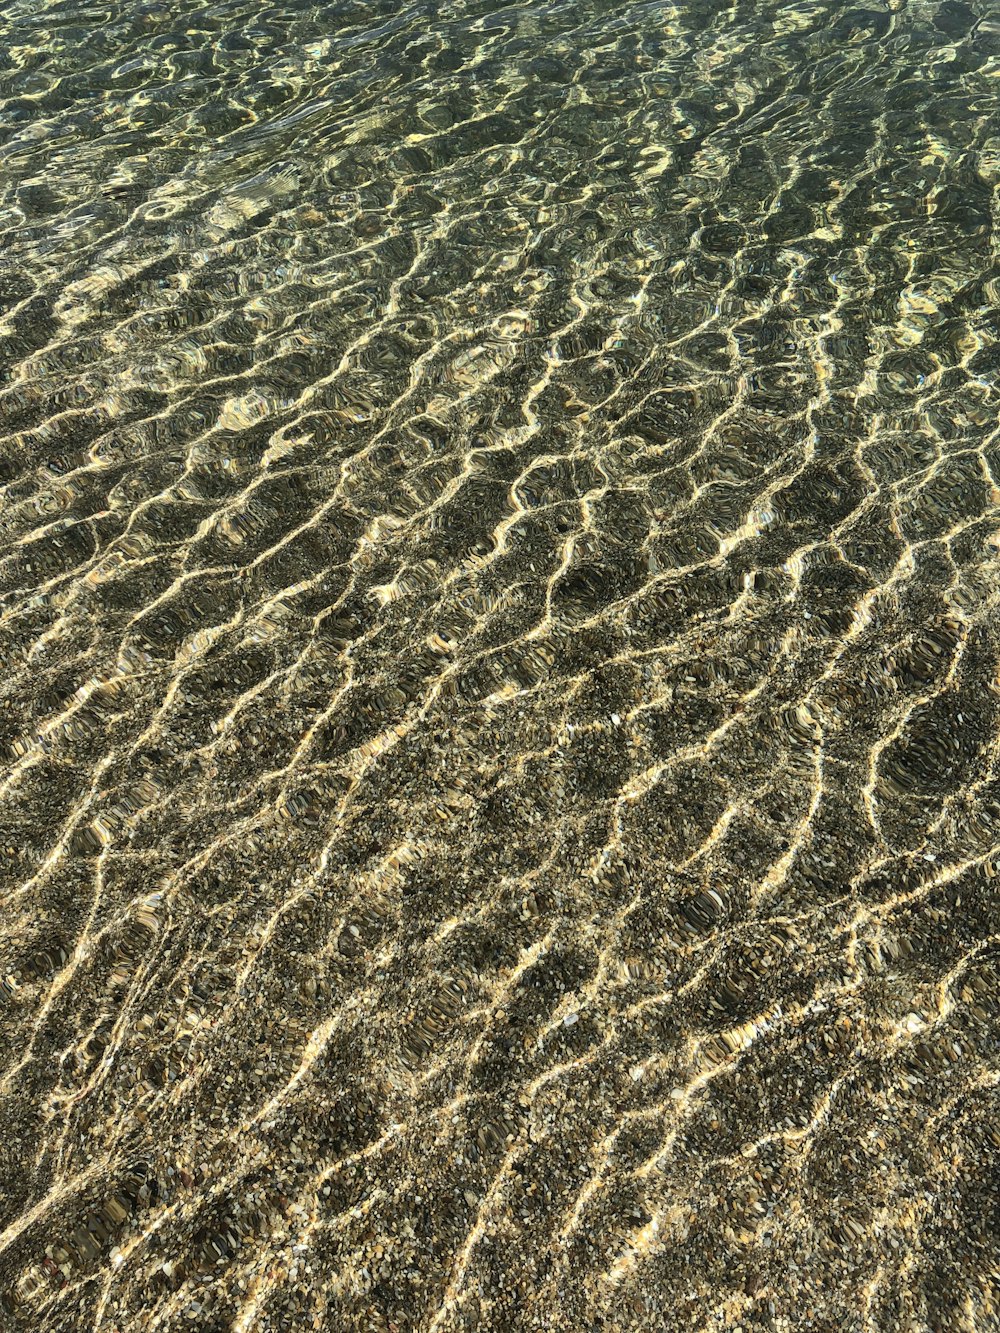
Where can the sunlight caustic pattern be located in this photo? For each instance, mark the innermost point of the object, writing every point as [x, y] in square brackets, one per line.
[499, 557]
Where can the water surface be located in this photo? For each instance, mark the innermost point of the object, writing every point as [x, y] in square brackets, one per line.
[499, 549]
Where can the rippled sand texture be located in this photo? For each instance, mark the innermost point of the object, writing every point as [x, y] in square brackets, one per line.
[500, 562]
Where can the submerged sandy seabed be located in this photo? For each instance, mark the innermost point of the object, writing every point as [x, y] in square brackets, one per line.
[498, 565]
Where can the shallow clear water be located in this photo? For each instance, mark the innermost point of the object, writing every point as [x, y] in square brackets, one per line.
[499, 547]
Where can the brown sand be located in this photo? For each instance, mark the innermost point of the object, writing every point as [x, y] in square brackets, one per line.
[499, 572]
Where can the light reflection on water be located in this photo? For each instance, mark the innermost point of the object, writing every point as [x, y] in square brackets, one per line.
[498, 563]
